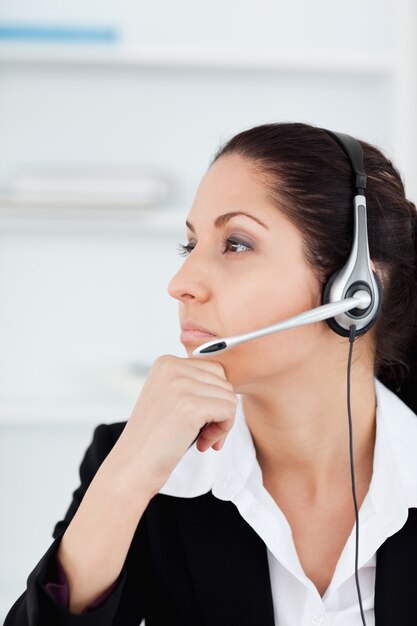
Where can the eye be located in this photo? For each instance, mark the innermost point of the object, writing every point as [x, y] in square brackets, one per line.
[184, 250]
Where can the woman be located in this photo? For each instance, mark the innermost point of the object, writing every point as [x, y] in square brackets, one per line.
[259, 529]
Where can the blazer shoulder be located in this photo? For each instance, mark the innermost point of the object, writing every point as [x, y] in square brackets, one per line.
[115, 428]
[105, 434]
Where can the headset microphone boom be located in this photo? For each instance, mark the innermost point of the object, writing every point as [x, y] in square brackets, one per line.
[360, 300]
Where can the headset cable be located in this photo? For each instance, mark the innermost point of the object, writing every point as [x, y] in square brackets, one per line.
[352, 336]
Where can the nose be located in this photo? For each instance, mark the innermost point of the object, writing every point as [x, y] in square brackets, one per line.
[188, 283]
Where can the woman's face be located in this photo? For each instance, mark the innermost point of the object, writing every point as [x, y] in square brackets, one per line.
[256, 279]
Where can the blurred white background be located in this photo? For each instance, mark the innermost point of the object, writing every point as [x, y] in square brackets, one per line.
[109, 115]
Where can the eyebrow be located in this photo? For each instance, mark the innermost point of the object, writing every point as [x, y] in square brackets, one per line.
[222, 220]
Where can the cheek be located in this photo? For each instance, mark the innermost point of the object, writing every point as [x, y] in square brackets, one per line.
[272, 354]
[268, 302]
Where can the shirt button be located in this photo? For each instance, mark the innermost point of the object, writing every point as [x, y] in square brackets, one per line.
[318, 619]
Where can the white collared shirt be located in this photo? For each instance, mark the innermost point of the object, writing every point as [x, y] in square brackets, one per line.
[234, 474]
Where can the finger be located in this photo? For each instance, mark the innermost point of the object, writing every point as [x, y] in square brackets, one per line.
[219, 444]
[214, 392]
[212, 433]
[208, 366]
[203, 376]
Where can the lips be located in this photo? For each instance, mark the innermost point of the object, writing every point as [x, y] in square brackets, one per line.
[191, 325]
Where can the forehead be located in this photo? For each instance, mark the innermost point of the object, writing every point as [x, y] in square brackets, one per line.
[232, 184]
[232, 175]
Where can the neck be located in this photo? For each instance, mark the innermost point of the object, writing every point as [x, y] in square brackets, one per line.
[300, 429]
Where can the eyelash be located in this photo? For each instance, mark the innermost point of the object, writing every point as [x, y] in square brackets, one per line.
[184, 250]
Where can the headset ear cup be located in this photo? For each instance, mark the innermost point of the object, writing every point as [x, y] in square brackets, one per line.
[334, 325]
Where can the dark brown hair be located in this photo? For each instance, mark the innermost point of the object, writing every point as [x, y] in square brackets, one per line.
[310, 179]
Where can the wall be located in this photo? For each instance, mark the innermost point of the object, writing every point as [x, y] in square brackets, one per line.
[84, 306]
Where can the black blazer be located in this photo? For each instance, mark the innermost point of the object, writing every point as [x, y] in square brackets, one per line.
[197, 562]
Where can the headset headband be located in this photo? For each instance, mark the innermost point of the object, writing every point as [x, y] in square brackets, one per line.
[354, 152]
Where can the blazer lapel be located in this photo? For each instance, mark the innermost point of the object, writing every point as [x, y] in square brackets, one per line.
[228, 562]
[395, 579]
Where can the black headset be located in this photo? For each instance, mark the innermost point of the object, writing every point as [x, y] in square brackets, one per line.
[357, 272]
[355, 279]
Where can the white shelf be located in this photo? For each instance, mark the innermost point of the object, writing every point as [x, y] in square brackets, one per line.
[115, 407]
[189, 58]
[24, 415]
[158, 221]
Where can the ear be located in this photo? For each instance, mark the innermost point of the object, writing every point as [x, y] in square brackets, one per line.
[381, 273]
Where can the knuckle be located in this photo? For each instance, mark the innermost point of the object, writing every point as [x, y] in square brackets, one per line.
[162, 358]
[219, 367]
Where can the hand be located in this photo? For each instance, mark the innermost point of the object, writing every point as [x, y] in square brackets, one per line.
[182, 400]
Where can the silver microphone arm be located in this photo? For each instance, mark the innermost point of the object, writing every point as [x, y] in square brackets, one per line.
[361, 300]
